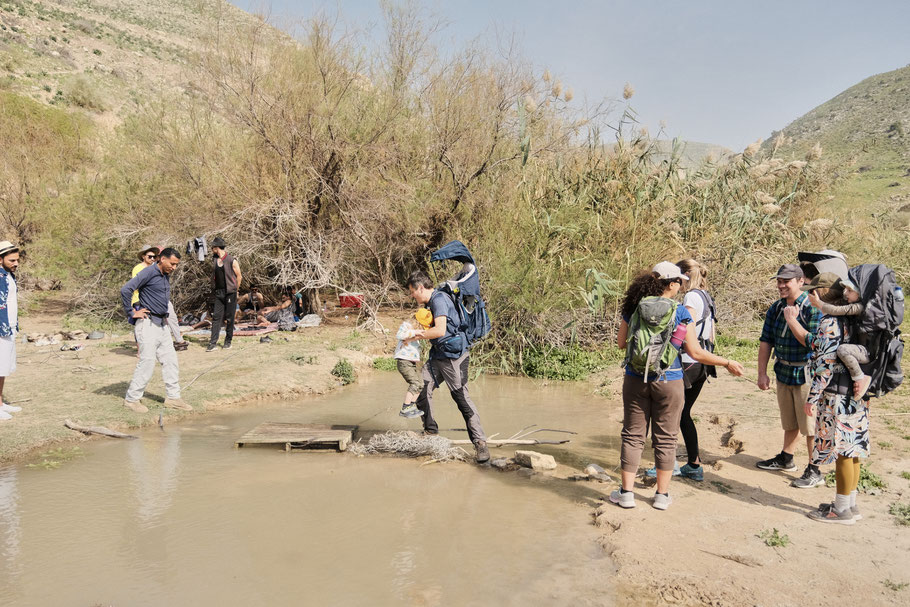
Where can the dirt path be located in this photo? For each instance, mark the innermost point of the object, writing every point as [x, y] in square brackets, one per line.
[707, 550]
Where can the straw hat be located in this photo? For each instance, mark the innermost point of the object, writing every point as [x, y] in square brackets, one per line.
[148, 248]
[7, 247]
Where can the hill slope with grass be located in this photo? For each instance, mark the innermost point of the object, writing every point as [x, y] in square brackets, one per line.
[104, 56]
[865, 132]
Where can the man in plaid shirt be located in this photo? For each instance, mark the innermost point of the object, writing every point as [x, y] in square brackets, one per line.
[790, 371]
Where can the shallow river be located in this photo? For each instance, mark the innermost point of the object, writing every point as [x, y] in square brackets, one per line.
[181, 517]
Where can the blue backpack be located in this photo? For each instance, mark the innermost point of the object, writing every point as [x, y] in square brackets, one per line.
[464, 291]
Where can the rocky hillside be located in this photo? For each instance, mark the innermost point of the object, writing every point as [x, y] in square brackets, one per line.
[102, 56]
[865, 131]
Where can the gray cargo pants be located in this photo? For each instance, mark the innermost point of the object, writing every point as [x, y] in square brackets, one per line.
[454, 372]
[155, 343]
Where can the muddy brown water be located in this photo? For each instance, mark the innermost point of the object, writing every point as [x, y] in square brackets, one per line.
[181, 517]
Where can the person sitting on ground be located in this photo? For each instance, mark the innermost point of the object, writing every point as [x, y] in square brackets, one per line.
[841, 422]
[653, 399]
[407, 355]
[852, 355]
[249, 305]
[283, 313]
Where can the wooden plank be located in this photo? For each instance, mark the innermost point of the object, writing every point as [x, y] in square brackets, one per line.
[298, 436]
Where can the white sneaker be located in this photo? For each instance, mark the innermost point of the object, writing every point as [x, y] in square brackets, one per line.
[4, 415]
[10, 408]
[624, 500]
[661, 501]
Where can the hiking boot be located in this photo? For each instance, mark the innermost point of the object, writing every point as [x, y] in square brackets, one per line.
[779, 462]
[652, 471]
[810, 478]
[482, 453]
[410, 411]
[135, 406]
[661, 501]
[692, 473]
[827, 514]
[226, 346]
[624, 500]
[177, 403]
[180, 346]
[212, 348]
[10, 408]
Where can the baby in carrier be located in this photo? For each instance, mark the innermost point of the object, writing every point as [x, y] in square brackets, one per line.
[851, 355]
[407, 355]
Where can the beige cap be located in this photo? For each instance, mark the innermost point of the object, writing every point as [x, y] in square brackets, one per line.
[666, 270]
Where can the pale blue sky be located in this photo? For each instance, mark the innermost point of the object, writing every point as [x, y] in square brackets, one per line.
[717, 71]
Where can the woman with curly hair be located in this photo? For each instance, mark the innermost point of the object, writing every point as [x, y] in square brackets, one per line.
[654, 398]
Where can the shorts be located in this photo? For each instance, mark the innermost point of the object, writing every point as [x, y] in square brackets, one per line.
[408, 370]
[792, 403]
[7, 355]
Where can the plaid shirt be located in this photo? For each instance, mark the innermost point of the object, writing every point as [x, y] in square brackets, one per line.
[786, 347]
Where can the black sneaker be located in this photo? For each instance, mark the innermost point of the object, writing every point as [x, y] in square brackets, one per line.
[226, 346]
[212, 348]
[810, 478]
[778, 462]
[483, 454]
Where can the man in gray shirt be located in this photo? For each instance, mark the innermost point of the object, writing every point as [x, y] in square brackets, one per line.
[152, 334]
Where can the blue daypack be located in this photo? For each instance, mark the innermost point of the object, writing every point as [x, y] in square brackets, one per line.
[464, 291]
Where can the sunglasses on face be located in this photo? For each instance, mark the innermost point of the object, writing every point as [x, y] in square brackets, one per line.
[150, 256]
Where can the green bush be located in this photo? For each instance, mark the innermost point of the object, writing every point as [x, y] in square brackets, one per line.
[385, 363]
[563, 363]
[901, 513]
[344, 371]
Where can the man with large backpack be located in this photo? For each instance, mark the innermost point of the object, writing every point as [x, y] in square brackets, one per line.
[790, 371]
[448, 361]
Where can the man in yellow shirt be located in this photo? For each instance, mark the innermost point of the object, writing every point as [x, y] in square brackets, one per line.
[147, 257]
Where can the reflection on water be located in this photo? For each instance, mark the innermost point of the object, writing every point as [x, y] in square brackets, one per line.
[181, 517]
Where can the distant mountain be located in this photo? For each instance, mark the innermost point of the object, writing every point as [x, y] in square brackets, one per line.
[692, 153]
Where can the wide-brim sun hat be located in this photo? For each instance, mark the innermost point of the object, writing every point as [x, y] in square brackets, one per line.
[7, 247]
[666, 270]
[145, 249]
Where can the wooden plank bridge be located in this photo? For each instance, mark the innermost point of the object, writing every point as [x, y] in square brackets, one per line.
[299, 436]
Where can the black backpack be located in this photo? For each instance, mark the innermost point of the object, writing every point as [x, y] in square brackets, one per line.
[878, 327]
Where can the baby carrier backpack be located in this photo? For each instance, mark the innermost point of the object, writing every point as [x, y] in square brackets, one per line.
[648, 347]
[464, 292]
[878, 327]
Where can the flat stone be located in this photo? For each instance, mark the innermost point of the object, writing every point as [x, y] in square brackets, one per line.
[594, 469]
[527, 473]
[501, 463]
[535, 460]
[602, 478]
[578, 477]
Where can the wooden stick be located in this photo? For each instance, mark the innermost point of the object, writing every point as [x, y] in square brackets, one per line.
[514, 441]
[21, 400]
[96, 430]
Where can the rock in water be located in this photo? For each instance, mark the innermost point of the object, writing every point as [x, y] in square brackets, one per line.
[501, 463]
[535, 460]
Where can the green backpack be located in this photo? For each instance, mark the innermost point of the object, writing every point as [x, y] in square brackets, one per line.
[648, 347]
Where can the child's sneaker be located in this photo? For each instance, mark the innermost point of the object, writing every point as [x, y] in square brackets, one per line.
[410, 410]
[860, 386]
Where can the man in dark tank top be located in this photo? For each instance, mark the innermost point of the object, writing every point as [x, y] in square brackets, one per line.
[226, 279]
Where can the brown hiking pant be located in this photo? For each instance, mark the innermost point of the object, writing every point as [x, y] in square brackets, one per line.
[655, 403]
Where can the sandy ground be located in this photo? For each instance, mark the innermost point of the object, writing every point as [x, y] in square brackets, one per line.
[705, 550]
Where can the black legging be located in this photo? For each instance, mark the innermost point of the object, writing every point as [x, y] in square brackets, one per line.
[686, 425]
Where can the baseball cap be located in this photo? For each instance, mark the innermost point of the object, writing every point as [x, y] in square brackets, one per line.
[666, 270]
[788, 271]
[825, 280]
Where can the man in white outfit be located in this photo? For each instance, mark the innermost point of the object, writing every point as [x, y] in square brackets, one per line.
[9, 319]
[152, 333]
